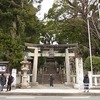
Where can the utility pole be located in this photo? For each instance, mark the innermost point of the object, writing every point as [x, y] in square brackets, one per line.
[89, 35]
[99, 8]
[98, 1]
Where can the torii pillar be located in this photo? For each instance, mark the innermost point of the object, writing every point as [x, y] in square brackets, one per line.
[35, 62]
[67, 65]
[79, 73]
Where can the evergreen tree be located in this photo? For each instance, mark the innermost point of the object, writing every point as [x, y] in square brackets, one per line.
[18, 24]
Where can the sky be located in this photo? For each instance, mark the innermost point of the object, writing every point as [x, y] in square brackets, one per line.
[46, 5]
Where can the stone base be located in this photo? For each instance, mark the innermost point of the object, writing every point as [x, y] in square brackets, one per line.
[77, 86]
[25, 85]
[34, 83]
[68, 84]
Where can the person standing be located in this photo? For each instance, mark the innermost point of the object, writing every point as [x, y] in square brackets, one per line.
[57, 70]
[10, 81]
[2, 81]
[51, 80]
[86, 83]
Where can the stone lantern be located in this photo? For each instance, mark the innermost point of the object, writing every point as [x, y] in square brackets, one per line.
[25, 68]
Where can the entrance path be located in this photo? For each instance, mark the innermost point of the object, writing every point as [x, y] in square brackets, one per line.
[57, 90]
[56, 86]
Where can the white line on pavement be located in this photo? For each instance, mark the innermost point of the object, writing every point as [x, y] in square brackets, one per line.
[21, 97]
[76, 97]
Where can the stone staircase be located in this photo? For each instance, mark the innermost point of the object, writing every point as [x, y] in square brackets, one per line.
[51, 69]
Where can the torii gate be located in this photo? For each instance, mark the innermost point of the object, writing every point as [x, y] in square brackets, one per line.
[51, 50]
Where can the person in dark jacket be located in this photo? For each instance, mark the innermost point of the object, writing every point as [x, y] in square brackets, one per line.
[86, 83]
[51, 80]
[10, 81]
[2, 81]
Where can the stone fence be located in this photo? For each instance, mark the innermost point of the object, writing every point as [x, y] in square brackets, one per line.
[95, 80]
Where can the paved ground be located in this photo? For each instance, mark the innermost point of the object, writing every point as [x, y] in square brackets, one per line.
[47, 90]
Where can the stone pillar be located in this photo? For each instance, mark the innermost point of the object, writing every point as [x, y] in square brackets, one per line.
[35, 62]
[25, 68]
[24, 79]
[14, 73]
[79, 73]
[67, 65]
[90, 79]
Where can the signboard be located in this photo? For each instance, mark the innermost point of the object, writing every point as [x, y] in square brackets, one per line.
[14, 73]
[51, 52]
[3, 68]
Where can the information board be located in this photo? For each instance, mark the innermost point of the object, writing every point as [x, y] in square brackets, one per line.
[3, 68]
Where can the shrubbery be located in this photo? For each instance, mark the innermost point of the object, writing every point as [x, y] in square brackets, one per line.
[95, 63]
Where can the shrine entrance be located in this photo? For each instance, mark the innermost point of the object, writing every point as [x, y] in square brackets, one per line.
[50, 66]
[59, 60]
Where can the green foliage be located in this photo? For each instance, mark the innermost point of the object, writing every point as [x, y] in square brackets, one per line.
[11, 50]
[18, 24]
[60, 60]
[41, 61]
[95, 63]
[68, 20]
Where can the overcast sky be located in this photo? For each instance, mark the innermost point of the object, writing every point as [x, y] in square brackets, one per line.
[46, 5]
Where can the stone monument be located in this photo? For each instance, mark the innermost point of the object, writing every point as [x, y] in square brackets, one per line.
[25, 68]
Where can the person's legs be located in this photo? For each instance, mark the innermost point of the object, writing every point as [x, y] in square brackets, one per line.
[87, 88]
[10, 87]
[50, 83]
[2, 86]
[84, 88]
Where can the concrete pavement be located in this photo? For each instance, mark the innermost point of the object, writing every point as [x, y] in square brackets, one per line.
[57, 90]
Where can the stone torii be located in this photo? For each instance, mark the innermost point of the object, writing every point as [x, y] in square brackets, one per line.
[46, 53]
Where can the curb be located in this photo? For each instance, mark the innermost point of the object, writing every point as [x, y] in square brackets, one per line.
[51, 94]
